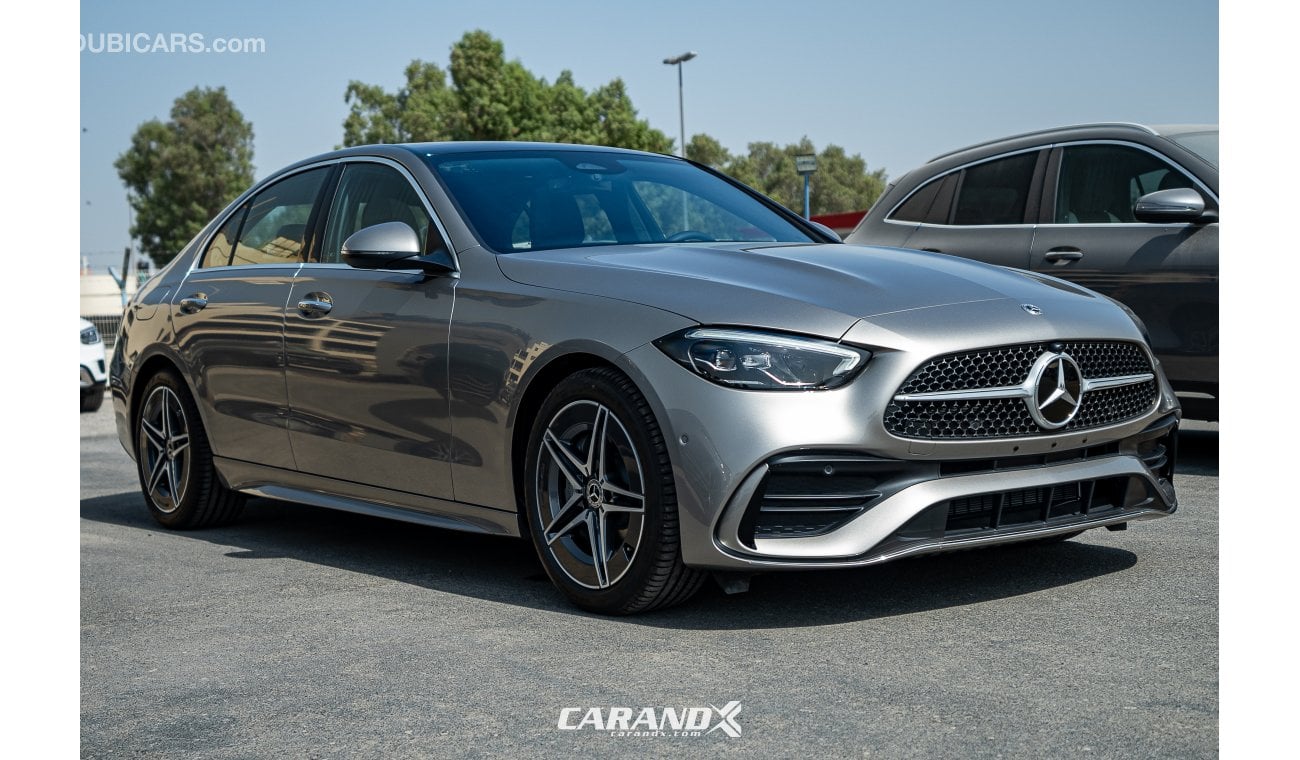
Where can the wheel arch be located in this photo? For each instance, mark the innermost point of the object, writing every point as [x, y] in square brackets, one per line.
[156, 362]
[538, 387]
[543, 378]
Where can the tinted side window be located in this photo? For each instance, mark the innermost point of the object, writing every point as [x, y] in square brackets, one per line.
[371, 194]
[917, 207]
[1100, 183]
[275, 229]
[219, 249]
[931, 203]
[995, 192]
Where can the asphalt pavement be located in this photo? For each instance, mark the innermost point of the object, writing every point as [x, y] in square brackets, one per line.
[302, 632]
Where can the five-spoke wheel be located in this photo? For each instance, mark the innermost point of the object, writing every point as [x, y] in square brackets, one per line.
[174, 461]
[601, 501]
[592, 498]
[164, 449]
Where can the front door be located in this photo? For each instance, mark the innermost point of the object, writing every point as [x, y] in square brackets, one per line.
[366, 350]
[1166, 273]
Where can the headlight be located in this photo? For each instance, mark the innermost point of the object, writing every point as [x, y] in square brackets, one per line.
[763, 361]
[90, 336]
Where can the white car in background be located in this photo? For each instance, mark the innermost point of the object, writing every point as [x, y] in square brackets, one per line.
[94, 375]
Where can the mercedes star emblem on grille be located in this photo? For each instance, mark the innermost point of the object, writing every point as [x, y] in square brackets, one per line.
[1058, 390]
[1031, 309]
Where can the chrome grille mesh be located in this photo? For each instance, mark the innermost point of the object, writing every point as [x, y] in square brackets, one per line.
[1111, 405]
[1003, 366]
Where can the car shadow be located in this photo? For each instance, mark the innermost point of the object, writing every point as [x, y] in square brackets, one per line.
[1198, 453]
[506, 570]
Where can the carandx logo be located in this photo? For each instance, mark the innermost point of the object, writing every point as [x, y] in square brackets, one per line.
[653, 721]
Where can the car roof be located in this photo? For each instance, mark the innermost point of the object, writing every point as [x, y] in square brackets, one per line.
[1094, 131]
[404, 152]
[1174, 130]
[453, 148]
[504, 145]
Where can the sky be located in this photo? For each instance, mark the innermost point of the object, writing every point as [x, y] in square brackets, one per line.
[895, 82]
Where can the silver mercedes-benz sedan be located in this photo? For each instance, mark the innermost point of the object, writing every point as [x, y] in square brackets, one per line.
[651, 371]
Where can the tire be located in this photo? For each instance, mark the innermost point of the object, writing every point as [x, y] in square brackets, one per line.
[174, 460]
[624, 487]
[92, 399]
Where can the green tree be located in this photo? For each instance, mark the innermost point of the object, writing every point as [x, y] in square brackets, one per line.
[571, 113]
[182, 172]
[704, 149]
[419, 111]
[491, 98]
[841, 183]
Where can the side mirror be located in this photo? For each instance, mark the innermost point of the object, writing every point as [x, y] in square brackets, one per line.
[827, 230]
[1181, 204]
[392, 245]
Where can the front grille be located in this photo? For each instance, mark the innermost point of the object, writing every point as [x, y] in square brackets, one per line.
[1007, 366]
[972, 418]
[990, 368]
[1110, 405]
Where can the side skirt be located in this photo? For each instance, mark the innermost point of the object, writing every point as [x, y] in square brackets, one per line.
[320, 491]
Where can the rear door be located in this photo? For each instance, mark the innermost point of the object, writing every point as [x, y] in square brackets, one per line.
[367, 350]
[1167, 273]
[228, 315]
[984, 211]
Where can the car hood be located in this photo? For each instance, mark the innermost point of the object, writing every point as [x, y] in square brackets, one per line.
[818, 289]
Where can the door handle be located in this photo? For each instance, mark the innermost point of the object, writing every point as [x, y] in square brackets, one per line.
[932, 250]
[1060, 255]
[315, 305]
[193, 304]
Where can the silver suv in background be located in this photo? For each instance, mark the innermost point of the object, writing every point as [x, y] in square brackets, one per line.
[1126, 210]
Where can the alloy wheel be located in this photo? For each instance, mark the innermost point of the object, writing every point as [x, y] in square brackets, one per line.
[164, 449]
[591, 494]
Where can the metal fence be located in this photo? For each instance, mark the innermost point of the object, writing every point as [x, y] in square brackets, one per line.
[107, 324]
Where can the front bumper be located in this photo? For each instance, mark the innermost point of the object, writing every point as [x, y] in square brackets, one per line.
[92, 378]
[94, 372]
[903, 497]
[892, 509]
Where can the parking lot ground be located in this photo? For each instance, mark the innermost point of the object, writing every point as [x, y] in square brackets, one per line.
[308, 633]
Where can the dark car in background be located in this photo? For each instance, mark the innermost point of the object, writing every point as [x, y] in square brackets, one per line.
[1127, 210]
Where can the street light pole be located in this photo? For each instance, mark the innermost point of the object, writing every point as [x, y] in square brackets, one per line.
[681, 106]
[681, 112]
[677, 61]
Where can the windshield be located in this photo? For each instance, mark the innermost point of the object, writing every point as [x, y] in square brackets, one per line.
[532, 200]
[1203, 144]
